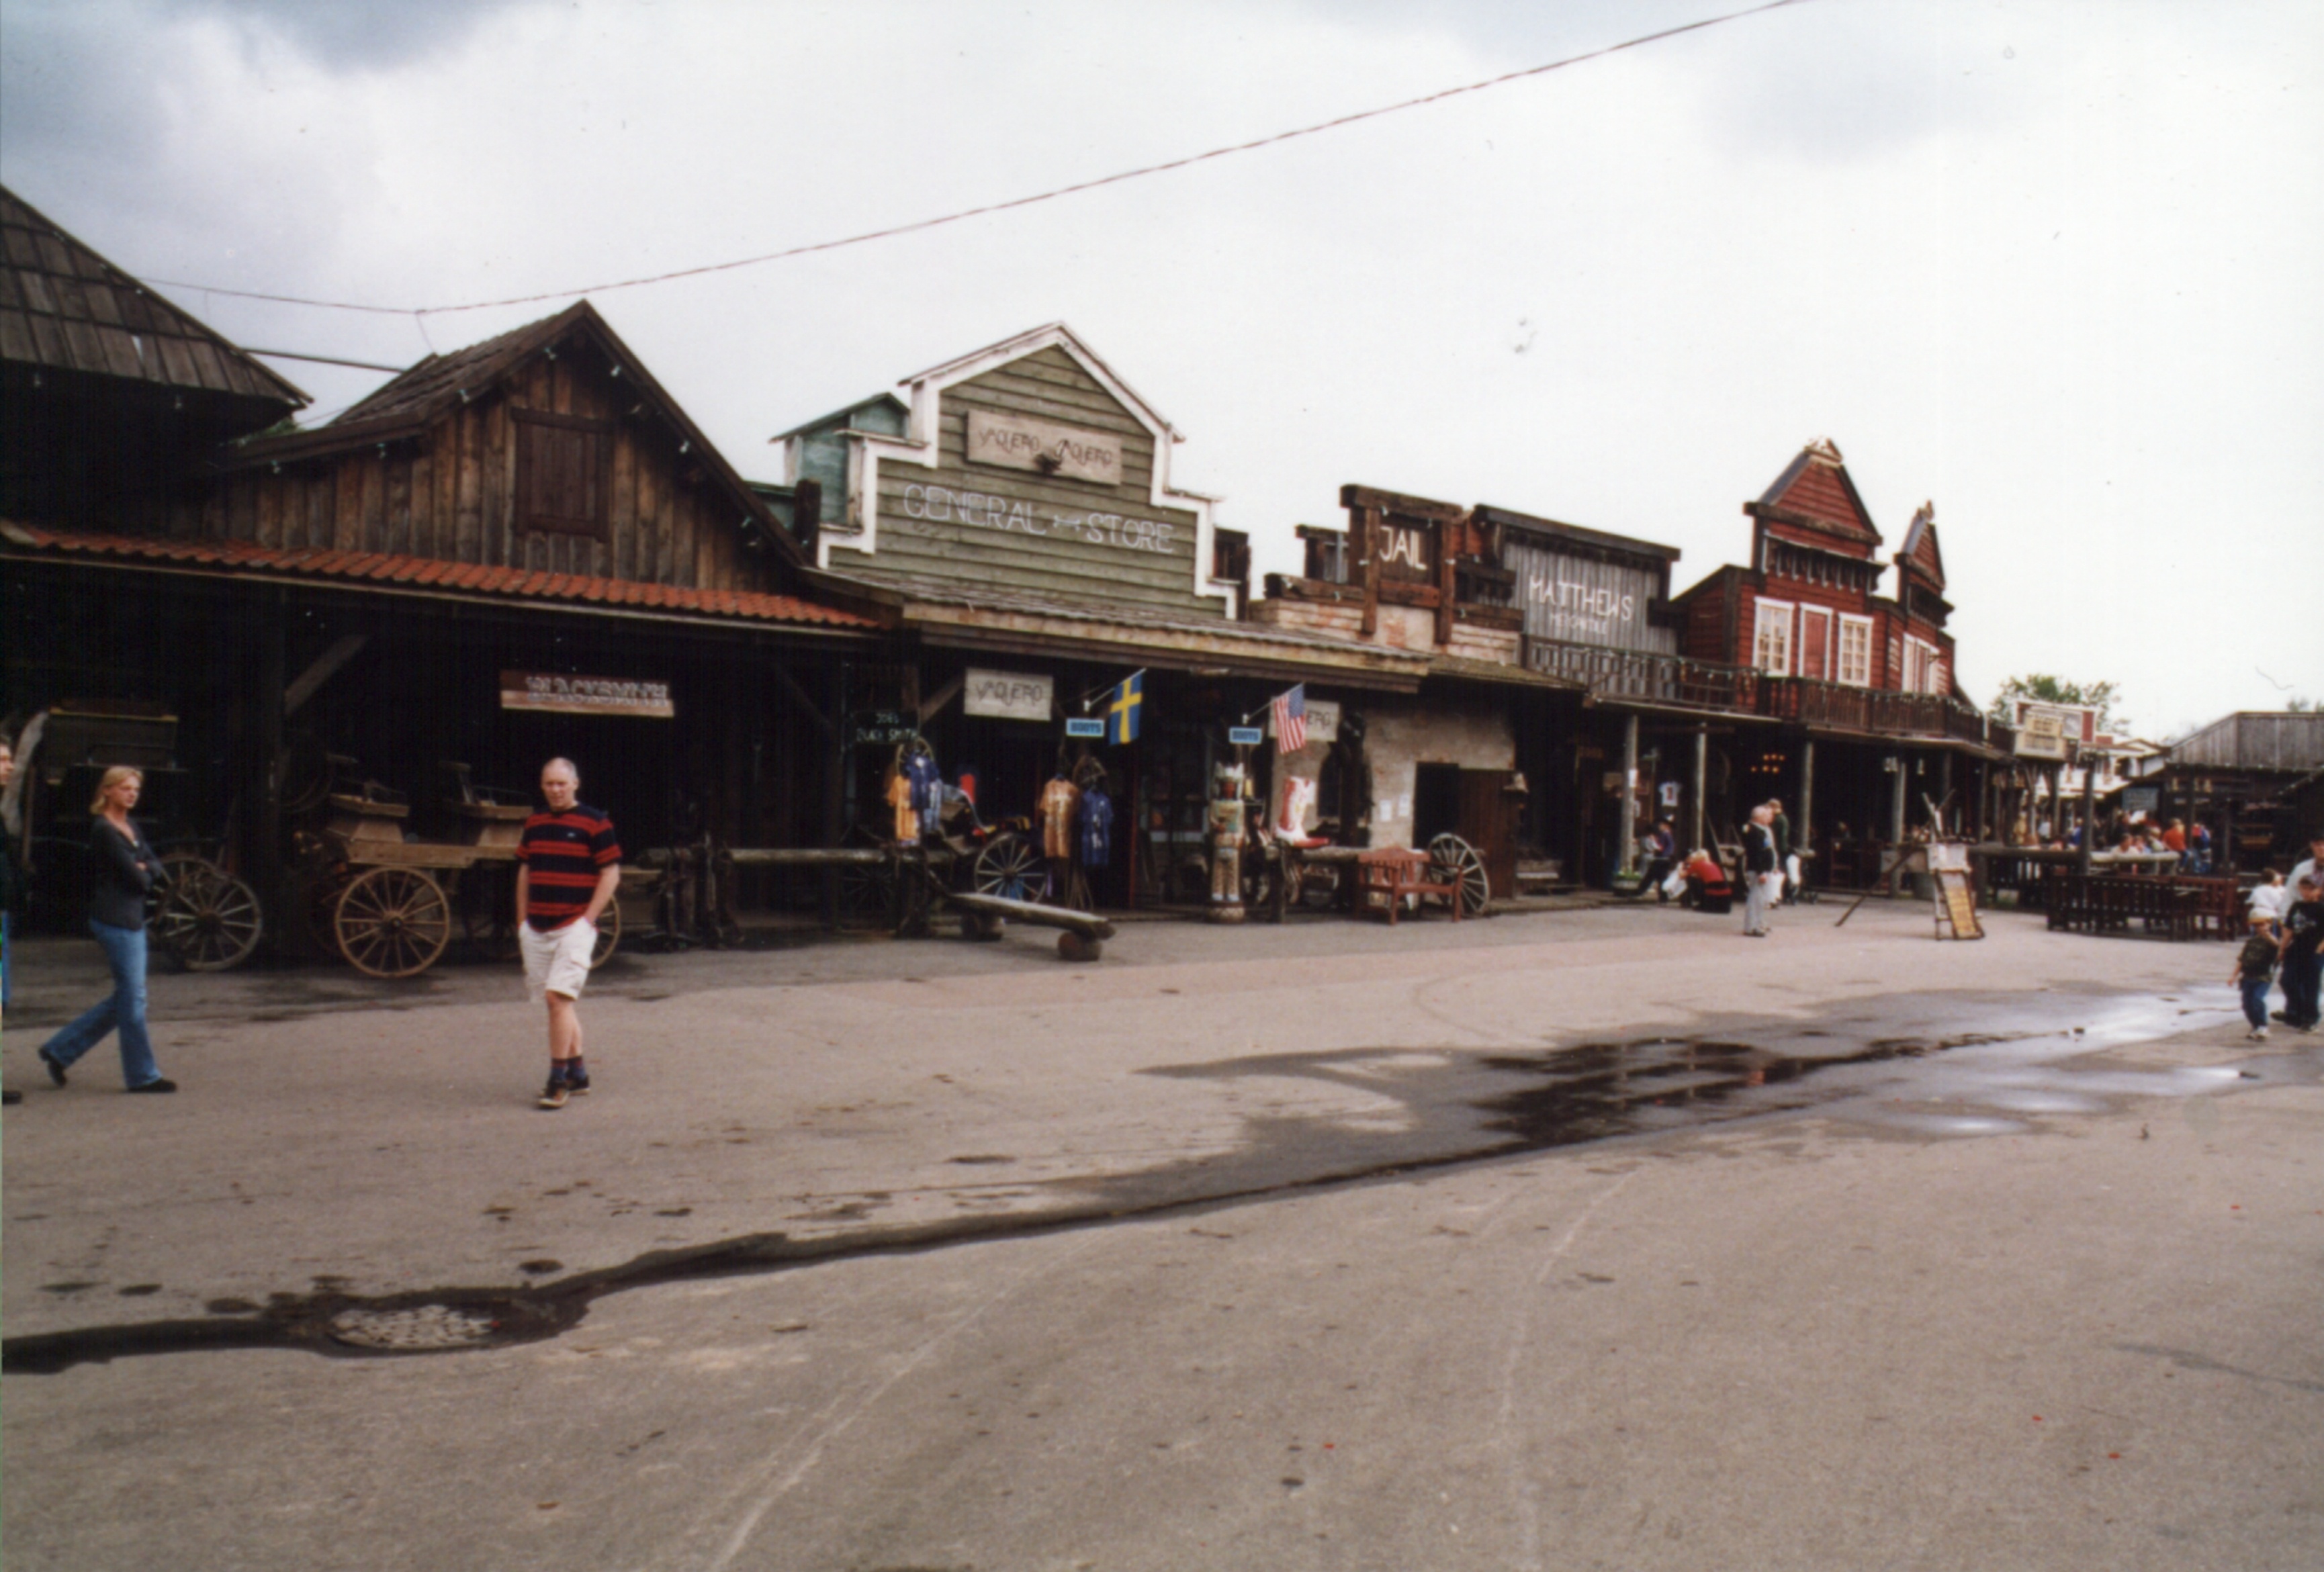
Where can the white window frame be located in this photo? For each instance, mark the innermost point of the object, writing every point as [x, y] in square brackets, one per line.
[1786, 613]
[1861, 677]
[1923, 663]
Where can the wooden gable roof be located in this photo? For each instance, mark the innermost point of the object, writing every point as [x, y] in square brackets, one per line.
[65, 308]
[1814, 493]
[442, 384]
[1919, 554]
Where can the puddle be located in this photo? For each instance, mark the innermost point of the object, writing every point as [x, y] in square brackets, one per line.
[1919, 1066]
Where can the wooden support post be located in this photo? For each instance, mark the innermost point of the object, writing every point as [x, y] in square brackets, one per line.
[1701, 775]
[1447, 585]
[320, 670]
[1629, 819]
[1805, 832]
[266, 850]
[834, 785]
[1367, 530]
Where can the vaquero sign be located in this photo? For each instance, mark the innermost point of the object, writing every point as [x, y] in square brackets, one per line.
[556, 693]
[1008, 695]
[1044, 446]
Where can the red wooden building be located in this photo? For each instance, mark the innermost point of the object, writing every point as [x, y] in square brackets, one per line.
[1833, 659]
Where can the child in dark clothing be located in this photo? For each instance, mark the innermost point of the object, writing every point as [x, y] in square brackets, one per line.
[2254, 969]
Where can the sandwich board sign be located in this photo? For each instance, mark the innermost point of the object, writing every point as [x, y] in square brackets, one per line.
[1956, 902]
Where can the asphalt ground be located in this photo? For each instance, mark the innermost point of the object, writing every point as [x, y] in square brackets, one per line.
[1590, 1239]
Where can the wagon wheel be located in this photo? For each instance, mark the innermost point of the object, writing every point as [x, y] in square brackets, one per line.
[1453, 860]
[609, 935]
[867, 892]
[204, 915]
[391, 922]
[1006, 867]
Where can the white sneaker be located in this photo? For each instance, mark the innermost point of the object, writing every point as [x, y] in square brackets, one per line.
[2259, 1034]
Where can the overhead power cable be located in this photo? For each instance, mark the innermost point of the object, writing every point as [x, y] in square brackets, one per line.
[607, 286]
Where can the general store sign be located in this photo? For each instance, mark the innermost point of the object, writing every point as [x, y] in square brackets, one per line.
[2053, 730]
[1043, 447]
[554, 693]
[1008, 695]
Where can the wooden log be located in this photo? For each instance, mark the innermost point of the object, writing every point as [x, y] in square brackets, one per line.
[808, 856]
[1084, 925]
[1073, 947]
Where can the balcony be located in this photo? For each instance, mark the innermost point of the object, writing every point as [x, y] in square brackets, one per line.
[1878, 712]
[1644, 677]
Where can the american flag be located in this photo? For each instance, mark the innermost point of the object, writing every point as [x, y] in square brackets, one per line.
[1291, 720]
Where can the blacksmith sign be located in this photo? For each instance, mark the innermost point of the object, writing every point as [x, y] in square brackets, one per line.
[557, 694]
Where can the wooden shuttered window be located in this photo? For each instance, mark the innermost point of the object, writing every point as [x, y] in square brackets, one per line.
[564, 472]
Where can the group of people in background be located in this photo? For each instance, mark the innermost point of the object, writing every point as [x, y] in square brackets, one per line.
[2285, 936]
[1772, 871]
[2188, 849]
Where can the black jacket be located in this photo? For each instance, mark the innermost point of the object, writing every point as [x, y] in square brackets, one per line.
[126, 868]
[1758, 849]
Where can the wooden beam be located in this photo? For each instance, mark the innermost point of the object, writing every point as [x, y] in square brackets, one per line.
[822, 722]
[1353, 497]
[1366, 531]
[936, 703]
[321, 669]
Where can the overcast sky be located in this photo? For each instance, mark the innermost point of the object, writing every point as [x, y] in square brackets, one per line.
[2052, 266]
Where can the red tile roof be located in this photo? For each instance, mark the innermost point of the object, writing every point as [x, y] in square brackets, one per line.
[434, 573]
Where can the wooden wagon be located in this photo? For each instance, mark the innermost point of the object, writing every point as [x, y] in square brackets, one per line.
[385, 904]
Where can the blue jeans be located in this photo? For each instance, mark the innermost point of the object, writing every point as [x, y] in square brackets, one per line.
[125, 951]
[2256, 1001]
[2301, 980]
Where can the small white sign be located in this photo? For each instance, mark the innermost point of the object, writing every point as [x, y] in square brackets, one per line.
[1009, 695]
[1323, 720]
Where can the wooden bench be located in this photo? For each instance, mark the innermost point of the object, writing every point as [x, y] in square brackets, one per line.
[1385, 876]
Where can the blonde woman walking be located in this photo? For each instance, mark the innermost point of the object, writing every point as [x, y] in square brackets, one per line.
[127, 868]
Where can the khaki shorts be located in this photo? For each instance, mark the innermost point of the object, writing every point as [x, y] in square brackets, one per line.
[557, 961]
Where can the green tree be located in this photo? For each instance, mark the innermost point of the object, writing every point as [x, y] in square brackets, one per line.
[2300, 707]
[2046, 689]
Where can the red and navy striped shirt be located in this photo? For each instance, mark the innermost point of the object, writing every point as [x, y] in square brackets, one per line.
[563, 854]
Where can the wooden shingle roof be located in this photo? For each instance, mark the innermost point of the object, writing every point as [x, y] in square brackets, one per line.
[65, 308]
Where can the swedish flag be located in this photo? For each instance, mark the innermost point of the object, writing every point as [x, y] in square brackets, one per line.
[1122, 703]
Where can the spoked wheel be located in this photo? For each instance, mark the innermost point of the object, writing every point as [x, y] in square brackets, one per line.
[1453, 860]
[391, 922]
[867, 893]
[205, 916]
[1006, 867]
[609, 935]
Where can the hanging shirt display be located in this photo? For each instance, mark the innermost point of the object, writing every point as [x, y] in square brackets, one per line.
[1097, 829]
[899, 798]
[928, 794]
[1059, 800]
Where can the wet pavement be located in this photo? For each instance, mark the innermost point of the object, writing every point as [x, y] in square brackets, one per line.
[366, 1183]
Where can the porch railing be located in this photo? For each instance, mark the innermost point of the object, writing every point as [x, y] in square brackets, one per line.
[1645, 675]
[1649, 678]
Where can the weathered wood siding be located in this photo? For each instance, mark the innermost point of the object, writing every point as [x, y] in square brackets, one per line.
[1011, 528]
[1584, 599]
[450, 493]
[2256, 739]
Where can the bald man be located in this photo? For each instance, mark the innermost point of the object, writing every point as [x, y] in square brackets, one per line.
[568, 865]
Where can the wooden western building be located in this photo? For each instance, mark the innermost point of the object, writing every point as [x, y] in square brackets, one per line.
[1015, 509]
[516, 551]
[1871, 724]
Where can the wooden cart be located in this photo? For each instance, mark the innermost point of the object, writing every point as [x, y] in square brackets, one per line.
[384, 904]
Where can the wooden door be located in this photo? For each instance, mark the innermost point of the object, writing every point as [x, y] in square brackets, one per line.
[1488, 815]
[1815, 645]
